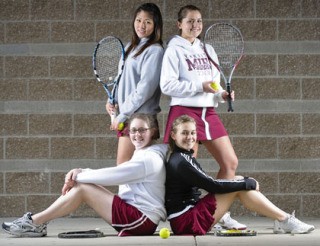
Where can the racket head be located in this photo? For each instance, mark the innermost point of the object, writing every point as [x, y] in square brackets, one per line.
[81, 234]
[227, 42]
[108, 54]
[235, 233]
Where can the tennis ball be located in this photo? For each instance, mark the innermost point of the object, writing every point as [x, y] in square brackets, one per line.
[120, 126]
[164, 233]
[214, 86]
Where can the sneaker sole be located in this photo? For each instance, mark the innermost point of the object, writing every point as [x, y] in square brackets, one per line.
[25, 234]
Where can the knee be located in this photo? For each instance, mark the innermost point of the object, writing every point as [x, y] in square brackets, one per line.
[230, 165]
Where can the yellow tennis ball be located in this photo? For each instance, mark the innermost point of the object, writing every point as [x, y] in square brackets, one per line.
[164, 233]
[214, 86]
[120, 126]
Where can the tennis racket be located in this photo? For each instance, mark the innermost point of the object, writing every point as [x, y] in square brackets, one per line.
[235, 233]
[81, 234]
[227, 42]
[107, 57]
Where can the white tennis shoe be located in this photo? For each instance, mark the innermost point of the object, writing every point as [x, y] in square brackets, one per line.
[24, 227]
[227, 222]
[292, 225]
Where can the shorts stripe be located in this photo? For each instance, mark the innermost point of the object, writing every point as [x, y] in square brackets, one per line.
[206, 124]
[127, 220]
[133, 225]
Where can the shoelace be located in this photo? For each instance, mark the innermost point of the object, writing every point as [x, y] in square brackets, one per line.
[295, 220]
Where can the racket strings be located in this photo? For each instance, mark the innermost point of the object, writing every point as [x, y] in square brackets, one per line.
[108, 52]
[227, 42]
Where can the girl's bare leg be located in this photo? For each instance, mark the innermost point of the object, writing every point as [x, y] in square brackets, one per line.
[222, 151]
[97, 197]
[252, 200]
[125, 150]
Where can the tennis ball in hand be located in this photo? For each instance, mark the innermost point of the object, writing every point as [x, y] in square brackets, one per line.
[120, 126]
[214, 86]
[164, 233]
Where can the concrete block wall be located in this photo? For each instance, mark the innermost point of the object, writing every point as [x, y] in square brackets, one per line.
[52, 115]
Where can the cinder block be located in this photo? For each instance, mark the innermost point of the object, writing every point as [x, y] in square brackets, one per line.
[299, 30]
[29, 148]
[72, 148]
[86, 124]
[257, 30]
[231, 9]
[239, 124]
[50, 89]
[71, 67]
[75, 32]
[26, 66]
[13, 124]
[310, 88]
[311, 204]
[107, 28]
[278, 88]
[299, 182]
[278, 124]
[299, 147]
[278, 9]
[1, 178]
[97, 10]
[299, 65]
[38, 203]
[310, 124]
[257, 65]
[52, 10]
[14, 10]
[12, 206]
[27, 32]
[106, 147]
[255, 147]
[9, 92]
[50, 124]
[89, 89]
[26, 183]
[244, 88]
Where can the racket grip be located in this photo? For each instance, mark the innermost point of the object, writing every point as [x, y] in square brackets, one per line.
[113, 116]
[230, 108]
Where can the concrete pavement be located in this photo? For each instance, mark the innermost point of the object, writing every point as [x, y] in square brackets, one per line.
[262, 225]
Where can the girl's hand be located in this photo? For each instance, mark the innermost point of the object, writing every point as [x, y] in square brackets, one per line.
[225, 95]
[207, 87]
[257, 184]
[112, 110]
[70, 180]
[114, 125]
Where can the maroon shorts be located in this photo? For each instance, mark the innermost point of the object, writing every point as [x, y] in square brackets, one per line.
[209, 125]
[197, 220]
[129, 221]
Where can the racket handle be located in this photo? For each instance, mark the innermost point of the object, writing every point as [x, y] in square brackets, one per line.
[113, 116]
[230, 108]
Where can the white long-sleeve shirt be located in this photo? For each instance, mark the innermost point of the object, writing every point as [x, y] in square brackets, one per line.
[185, 67]
[141, 180]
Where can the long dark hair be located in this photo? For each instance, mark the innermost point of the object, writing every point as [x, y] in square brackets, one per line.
[156, 36]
